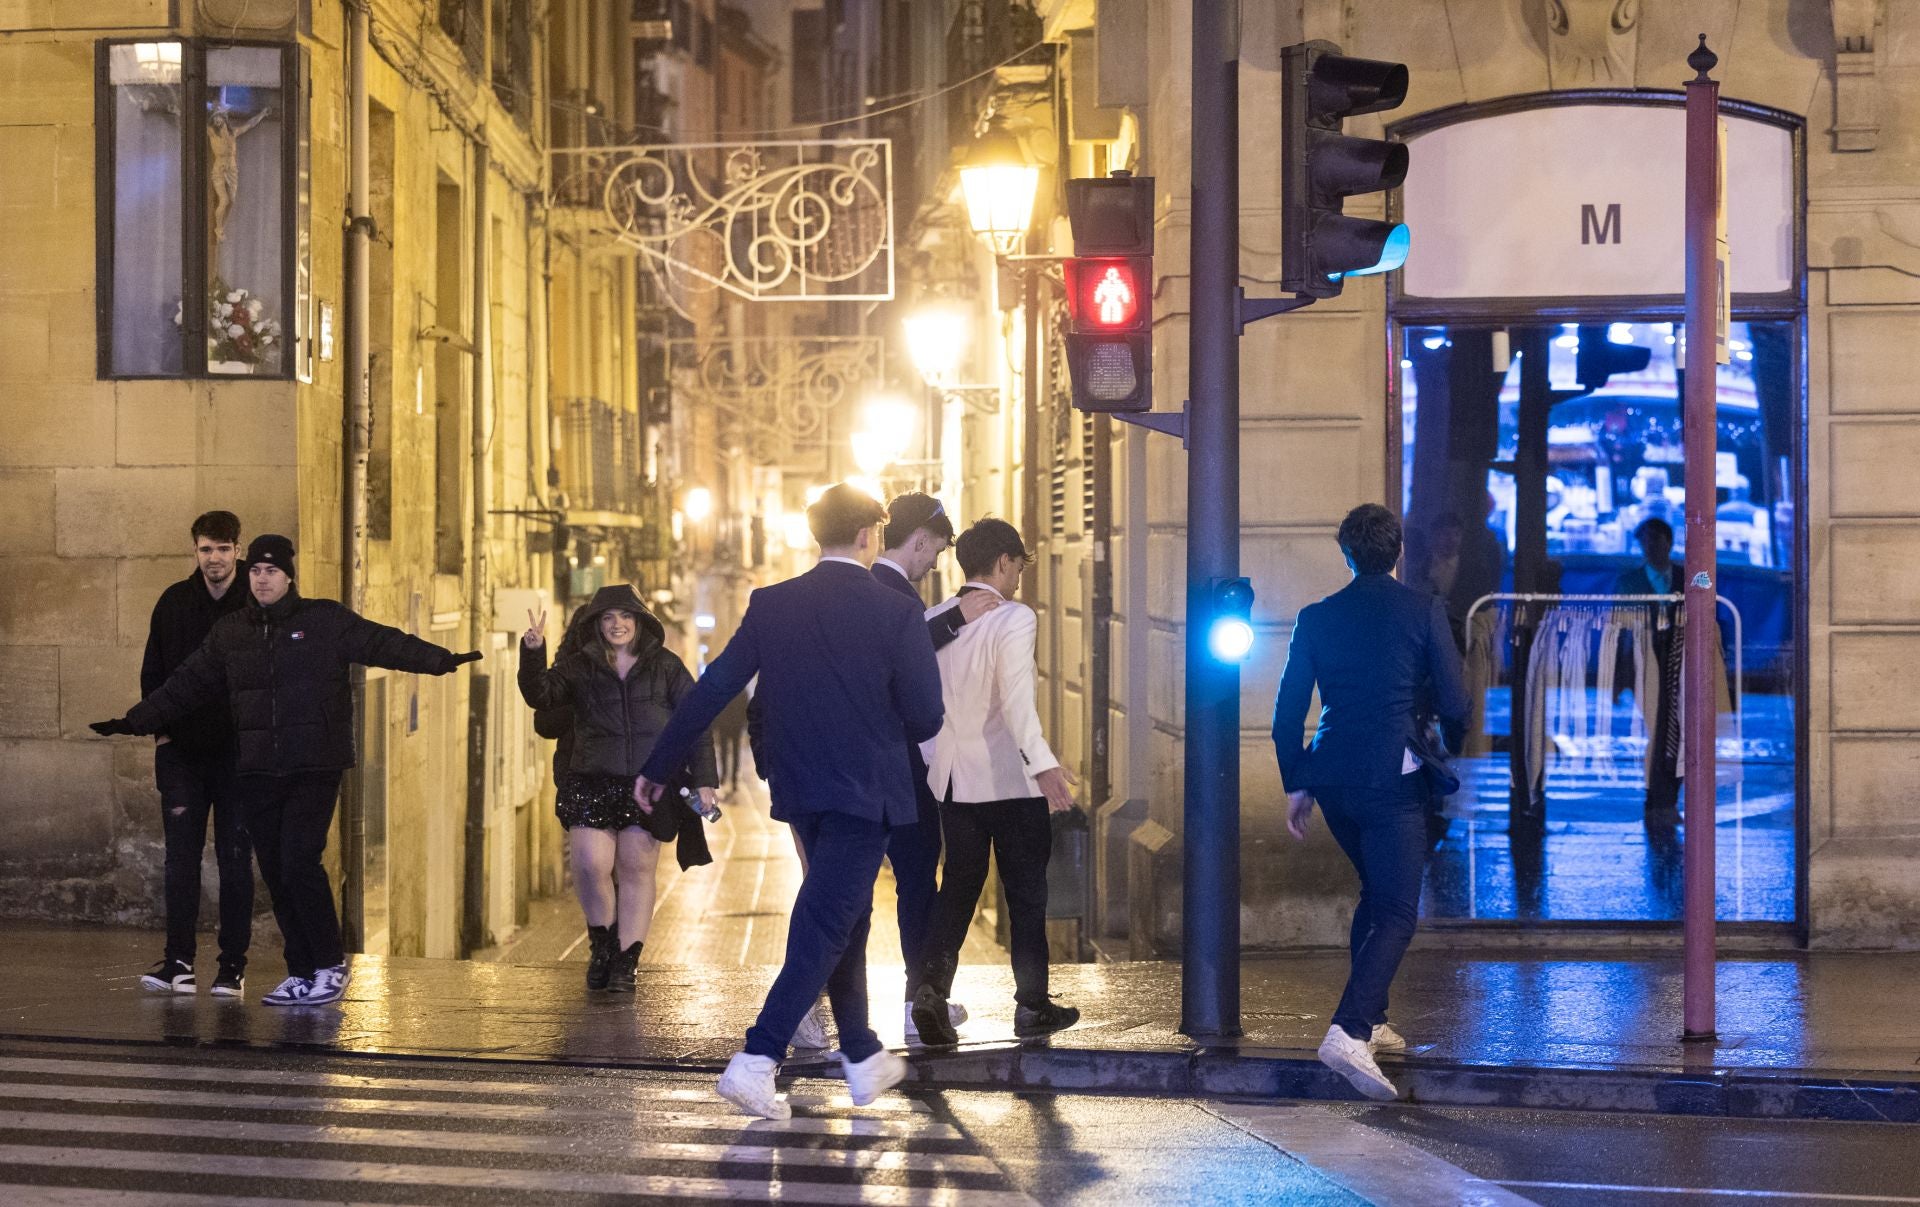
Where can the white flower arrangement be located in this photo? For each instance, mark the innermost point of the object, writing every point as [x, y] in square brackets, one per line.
[238, 331]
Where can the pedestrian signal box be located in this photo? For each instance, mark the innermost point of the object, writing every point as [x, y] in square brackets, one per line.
[1321, 245]
[1109, 281]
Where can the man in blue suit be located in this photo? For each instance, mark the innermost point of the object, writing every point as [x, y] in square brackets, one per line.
[918, 531]
[1383, 658]
[847, 677]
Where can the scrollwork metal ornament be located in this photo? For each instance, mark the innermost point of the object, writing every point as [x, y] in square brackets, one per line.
[765, 221]
[780, 390]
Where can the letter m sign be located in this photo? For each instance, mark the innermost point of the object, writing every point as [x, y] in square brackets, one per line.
[1598, 228]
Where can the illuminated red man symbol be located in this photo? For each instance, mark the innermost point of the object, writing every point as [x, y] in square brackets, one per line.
[1113, 297]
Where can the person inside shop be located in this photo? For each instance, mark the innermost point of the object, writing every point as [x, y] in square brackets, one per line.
[1659, 573]
[620, 683]
[280, 663]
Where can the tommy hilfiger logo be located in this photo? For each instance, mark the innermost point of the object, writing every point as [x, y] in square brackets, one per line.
[296, 635]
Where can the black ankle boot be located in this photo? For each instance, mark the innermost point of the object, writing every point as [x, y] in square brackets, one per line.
[620, 977]
[602, 947]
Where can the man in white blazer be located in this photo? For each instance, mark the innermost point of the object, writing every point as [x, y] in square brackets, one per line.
[997, 781]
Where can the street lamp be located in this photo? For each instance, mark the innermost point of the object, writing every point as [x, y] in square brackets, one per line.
[937, 336]
[698, 504]
[884, 435]
[999, 184]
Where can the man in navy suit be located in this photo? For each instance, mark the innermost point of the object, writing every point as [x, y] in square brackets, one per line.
[847, 677]
[1383, 656]
[918, 531]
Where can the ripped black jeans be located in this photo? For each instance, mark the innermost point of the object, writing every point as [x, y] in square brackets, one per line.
[192, 788]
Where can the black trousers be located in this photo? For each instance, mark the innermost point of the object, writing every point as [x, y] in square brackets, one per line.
[914, 852]
[1383, 832]
[1019, 835]
[194, 787]
[289, 816]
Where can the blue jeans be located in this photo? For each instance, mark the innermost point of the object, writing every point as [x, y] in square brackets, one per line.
[827, 936]
[1384, 834]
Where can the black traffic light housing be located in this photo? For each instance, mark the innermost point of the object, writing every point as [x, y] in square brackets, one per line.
[1109, 282]
[1321, 244]
[1597, 358]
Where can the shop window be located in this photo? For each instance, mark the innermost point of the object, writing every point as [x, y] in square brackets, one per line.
[197, 222]
[1537, 461]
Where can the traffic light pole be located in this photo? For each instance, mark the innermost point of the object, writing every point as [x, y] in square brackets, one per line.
[1210, 906]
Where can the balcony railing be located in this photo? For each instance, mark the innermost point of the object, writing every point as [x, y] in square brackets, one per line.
[600, 462]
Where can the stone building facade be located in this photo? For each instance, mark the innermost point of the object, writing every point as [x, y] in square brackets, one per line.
[106, 463]
[1328, 421]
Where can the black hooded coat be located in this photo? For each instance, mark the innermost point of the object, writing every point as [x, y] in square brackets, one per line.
[615, 720]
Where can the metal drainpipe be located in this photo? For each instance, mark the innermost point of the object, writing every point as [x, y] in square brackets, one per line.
[359, 424]
[473, 917]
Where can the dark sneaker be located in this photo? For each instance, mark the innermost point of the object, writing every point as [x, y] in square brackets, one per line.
[1029, 1021]
[620, 974]
[932, 1019]
[169, 976]
[231, 981]
[601, 948]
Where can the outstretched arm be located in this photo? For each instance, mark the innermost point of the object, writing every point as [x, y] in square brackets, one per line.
[196, 683]
[373, 644]
[727, 676]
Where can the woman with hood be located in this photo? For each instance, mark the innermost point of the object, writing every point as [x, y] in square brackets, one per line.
[622, 684]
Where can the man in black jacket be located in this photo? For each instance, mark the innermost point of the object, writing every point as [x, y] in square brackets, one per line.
[1382, 654]
[281, 665]
[193, 768]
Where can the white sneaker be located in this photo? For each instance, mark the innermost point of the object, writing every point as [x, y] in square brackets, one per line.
[874, 1076]
[812, 1031]
[1386, 1039]
[329, 985]
[1353, 1059]
[956, 1014]
[291, 992]
[748, 1084]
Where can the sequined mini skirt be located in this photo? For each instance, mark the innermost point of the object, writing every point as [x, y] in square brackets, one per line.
[598, 802]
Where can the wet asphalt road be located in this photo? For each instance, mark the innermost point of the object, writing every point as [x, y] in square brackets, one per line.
[87, 1125]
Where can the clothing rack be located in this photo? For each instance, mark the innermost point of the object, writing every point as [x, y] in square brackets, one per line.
[1739, 646]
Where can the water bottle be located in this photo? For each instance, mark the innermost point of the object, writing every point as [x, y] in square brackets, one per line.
[698, 806]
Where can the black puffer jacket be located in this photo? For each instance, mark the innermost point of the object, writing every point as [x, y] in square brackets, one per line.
[283, 671]
[615, 721]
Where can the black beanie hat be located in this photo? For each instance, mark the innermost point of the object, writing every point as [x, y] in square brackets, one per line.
[272, 549]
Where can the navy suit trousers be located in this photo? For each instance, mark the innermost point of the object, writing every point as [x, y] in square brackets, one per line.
[1383, 831]
[827, 936]
[914, 852]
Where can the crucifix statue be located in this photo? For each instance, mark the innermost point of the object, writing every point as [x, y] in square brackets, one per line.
[223, 162]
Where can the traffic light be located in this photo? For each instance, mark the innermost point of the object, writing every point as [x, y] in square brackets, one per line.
[1597, 357]
[1230, 619]
[1321, 245]
[1109, 283]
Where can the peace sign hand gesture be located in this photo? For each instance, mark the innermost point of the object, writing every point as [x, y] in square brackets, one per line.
[536, 634]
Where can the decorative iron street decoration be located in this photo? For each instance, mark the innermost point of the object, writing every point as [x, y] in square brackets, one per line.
[779, 389]
[765, 221]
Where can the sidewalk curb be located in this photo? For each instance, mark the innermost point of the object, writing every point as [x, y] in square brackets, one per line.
[1211, 1073]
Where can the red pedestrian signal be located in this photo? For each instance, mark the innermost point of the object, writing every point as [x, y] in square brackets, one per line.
[1109, 284]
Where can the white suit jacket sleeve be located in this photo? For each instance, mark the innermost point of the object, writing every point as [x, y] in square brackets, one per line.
[1013, 670]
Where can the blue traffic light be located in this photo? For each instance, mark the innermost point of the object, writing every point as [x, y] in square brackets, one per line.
[1230, 632]
[1230, 639]
[1392, 255]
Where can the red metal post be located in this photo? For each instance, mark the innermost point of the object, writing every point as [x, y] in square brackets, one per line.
[1700, 653]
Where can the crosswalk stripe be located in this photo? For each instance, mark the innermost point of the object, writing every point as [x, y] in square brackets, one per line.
[280, 1169]
[605, 1087]
[79, 1196]
[491, 1142]
[911, 1127]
